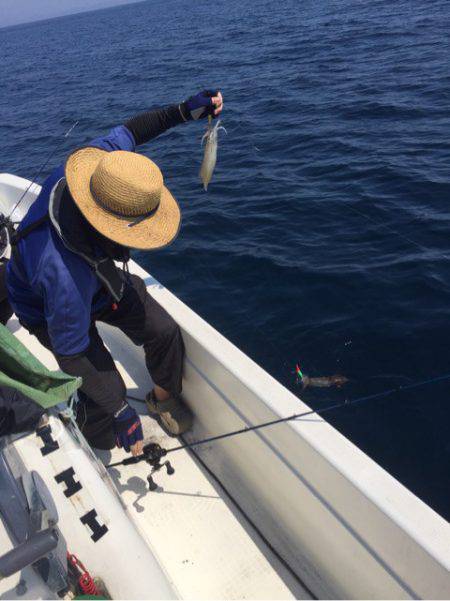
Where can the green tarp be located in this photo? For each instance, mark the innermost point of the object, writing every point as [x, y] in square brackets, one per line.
[21, 370]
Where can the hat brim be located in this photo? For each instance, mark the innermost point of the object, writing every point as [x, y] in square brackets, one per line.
[156, 231]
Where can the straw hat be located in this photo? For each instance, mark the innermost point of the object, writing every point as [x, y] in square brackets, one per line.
[122, 195]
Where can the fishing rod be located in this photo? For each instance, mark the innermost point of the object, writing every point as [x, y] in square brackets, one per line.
[44, 165]
[153, 452]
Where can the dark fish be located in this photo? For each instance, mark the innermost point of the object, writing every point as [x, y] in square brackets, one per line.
[324, 381]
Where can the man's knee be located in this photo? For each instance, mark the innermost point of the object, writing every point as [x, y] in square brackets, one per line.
[165, 332]
[158, 331]
[170, 330]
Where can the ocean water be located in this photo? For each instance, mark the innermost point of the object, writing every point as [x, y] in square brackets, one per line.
[324, 236]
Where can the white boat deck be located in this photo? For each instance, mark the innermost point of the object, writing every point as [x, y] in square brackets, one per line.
[204, 543]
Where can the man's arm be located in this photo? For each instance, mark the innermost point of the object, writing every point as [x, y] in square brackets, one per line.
[139, 129]
[146, 126]
[151, 124]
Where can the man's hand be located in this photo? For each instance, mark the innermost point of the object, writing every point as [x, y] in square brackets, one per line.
[208, 102]
[217, 101]
[128, 429]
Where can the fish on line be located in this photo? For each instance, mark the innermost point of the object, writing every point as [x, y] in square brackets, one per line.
[319, 382]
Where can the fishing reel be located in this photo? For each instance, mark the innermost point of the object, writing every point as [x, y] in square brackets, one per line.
[153, 454]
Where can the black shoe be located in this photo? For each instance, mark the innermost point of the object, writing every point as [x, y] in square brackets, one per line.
[173, 415]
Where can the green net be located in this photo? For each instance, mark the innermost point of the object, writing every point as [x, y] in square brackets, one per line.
[21, 370]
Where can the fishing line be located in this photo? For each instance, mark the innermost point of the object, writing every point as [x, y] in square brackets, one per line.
[392, 230]
[44, 165]
[386, 227]
[374, 221]
[254, 327]
[363, 399]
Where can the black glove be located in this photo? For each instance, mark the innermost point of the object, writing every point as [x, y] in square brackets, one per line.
[198, 106]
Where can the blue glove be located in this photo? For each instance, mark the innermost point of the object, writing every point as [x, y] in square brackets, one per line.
[128, 427]
[199, 106]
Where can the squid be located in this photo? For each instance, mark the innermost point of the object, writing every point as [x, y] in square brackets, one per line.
[210, 156]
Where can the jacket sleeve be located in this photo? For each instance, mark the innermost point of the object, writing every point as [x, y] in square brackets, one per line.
[149, 125]
[102, 383]
[119, 138]
[68, 285]
[140, 129]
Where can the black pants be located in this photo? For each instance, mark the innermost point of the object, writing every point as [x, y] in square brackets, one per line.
[147, 324]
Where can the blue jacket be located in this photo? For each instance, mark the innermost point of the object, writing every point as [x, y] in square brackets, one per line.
[53, 285]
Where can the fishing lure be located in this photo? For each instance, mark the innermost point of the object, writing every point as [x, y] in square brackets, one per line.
[298, 374]
[210, 155]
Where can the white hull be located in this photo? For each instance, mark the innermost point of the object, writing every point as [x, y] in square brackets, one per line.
[345, 527]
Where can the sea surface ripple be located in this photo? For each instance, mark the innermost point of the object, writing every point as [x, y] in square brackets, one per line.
[323, 238]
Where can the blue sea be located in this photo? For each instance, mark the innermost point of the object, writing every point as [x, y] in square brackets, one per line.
[323, 238]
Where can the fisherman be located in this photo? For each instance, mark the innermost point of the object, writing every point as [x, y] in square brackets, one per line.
[62, 277]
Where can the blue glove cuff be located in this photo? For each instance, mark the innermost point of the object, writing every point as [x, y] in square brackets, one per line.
[127, 427]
